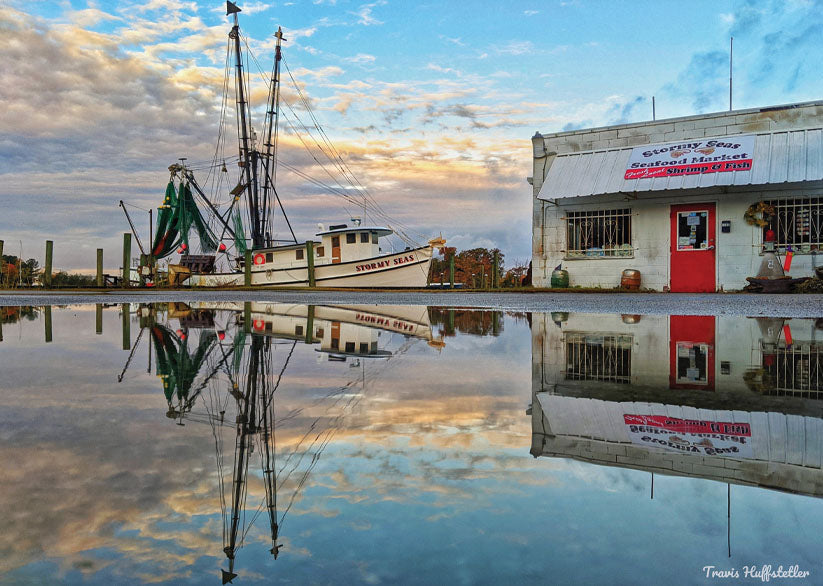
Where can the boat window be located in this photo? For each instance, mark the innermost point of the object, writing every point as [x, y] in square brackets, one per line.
[319, 333]
[374, 237]
[321, 251]
[364, 348]
[298, 330]
[349, 346]
[335, 240]
[374, 346]
[351, 238]
[269, 256]
[299, 254]
[335, 343]
[364, 237]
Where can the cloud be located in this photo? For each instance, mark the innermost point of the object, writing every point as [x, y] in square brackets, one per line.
[364, 14]
[360, 58]
[516, 48]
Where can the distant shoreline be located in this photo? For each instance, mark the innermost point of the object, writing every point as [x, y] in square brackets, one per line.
[746, 304]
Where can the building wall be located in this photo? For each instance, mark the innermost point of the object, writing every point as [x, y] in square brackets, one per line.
[738, 253]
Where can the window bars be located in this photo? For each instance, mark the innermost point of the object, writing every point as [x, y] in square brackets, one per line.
[599, 233]
[599, 357]
[797, 223]
[796, 371]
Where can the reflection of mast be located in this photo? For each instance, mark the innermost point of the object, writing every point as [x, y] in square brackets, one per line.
[256, 415]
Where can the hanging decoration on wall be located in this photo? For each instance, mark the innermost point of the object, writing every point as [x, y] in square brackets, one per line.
[765, 211]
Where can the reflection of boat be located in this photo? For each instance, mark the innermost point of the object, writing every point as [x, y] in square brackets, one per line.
[243, 224]
[671, 394]
[221, 360]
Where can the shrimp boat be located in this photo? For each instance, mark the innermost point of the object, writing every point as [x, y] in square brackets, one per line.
[235, 225]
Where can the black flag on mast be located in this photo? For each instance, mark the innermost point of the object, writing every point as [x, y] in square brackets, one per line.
[231, 8]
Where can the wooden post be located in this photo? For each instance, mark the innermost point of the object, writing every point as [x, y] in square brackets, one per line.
[247, 269]
[47, 270]
[47, 315]
[310, 256]
[496, 269]
[451, 271]
[451, 321]
[99, 267]
[247, 317]
[126, 260]
[495, 323]
[126, 326]
[483, 278]
[98, 318]
[310, 325]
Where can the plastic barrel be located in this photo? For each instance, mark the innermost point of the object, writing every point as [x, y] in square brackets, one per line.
[560, 278]
[630, 279]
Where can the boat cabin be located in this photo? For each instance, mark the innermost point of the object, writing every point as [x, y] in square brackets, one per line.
[341, 243]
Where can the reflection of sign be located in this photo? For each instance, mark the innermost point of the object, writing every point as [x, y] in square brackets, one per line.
[691, 436]
[691, 157]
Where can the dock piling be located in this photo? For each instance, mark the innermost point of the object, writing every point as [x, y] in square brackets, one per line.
[126, 260]
[496, 269]
[247, 269]
[98, 318]
[99, 267]
[310, 256]
[451, 271]
[47, 269]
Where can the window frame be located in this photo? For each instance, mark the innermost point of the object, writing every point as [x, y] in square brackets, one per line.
[785, 223]
[587, 233]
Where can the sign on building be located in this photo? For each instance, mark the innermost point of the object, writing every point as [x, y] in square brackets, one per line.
[691, 157]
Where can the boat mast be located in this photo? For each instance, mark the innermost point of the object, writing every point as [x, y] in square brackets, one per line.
[272, 117]
[248, 156]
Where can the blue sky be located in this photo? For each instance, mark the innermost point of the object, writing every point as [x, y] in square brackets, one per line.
[431, 104]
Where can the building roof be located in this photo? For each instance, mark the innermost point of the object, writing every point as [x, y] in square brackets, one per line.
[780, 157]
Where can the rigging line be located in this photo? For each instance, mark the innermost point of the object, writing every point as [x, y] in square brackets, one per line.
[339, 160]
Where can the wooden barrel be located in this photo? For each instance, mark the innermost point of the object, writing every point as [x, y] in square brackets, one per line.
[560, 278]
[630, 279]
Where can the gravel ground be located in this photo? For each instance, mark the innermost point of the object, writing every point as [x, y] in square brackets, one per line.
[641, 303]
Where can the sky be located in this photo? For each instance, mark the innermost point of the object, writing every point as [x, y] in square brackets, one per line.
[431, 105]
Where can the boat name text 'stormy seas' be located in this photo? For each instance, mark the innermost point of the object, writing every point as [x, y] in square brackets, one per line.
[370, 266]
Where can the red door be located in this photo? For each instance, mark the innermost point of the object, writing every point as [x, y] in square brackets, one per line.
[691, 352]
[693, 250]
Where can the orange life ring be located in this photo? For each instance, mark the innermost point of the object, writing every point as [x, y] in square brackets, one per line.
[259, 259]
[259, 324]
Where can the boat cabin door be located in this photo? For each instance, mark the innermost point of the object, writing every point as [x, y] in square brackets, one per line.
[335, 249]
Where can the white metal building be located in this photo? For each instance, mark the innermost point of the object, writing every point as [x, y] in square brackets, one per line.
[668, 198]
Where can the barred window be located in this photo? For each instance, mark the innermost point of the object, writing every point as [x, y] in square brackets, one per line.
[796, 370]
[797, 223]
[599, 233]
[602, 357]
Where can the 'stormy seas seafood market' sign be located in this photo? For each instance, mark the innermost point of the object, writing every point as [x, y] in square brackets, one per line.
[691, 157]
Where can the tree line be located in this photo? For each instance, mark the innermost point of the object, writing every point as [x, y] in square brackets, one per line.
[473, 268]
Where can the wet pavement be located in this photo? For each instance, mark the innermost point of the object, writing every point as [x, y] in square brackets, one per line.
[646, 303]
[200, 441]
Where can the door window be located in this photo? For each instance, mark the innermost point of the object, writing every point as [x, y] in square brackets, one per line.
[692, 230]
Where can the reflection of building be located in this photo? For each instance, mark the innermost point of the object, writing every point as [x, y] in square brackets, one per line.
[725, 398]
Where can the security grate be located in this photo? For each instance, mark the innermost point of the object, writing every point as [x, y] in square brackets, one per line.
[599, 233]
[599, 357]
[797, 371]
[797, 223]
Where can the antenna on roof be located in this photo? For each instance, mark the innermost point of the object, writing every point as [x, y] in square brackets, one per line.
[731, 50]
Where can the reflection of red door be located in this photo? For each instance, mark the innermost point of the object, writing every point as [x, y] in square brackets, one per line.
[335, 249]
[693, 248]
[691, 352]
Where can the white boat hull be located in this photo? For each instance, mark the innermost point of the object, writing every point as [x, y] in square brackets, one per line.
[409, 268]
